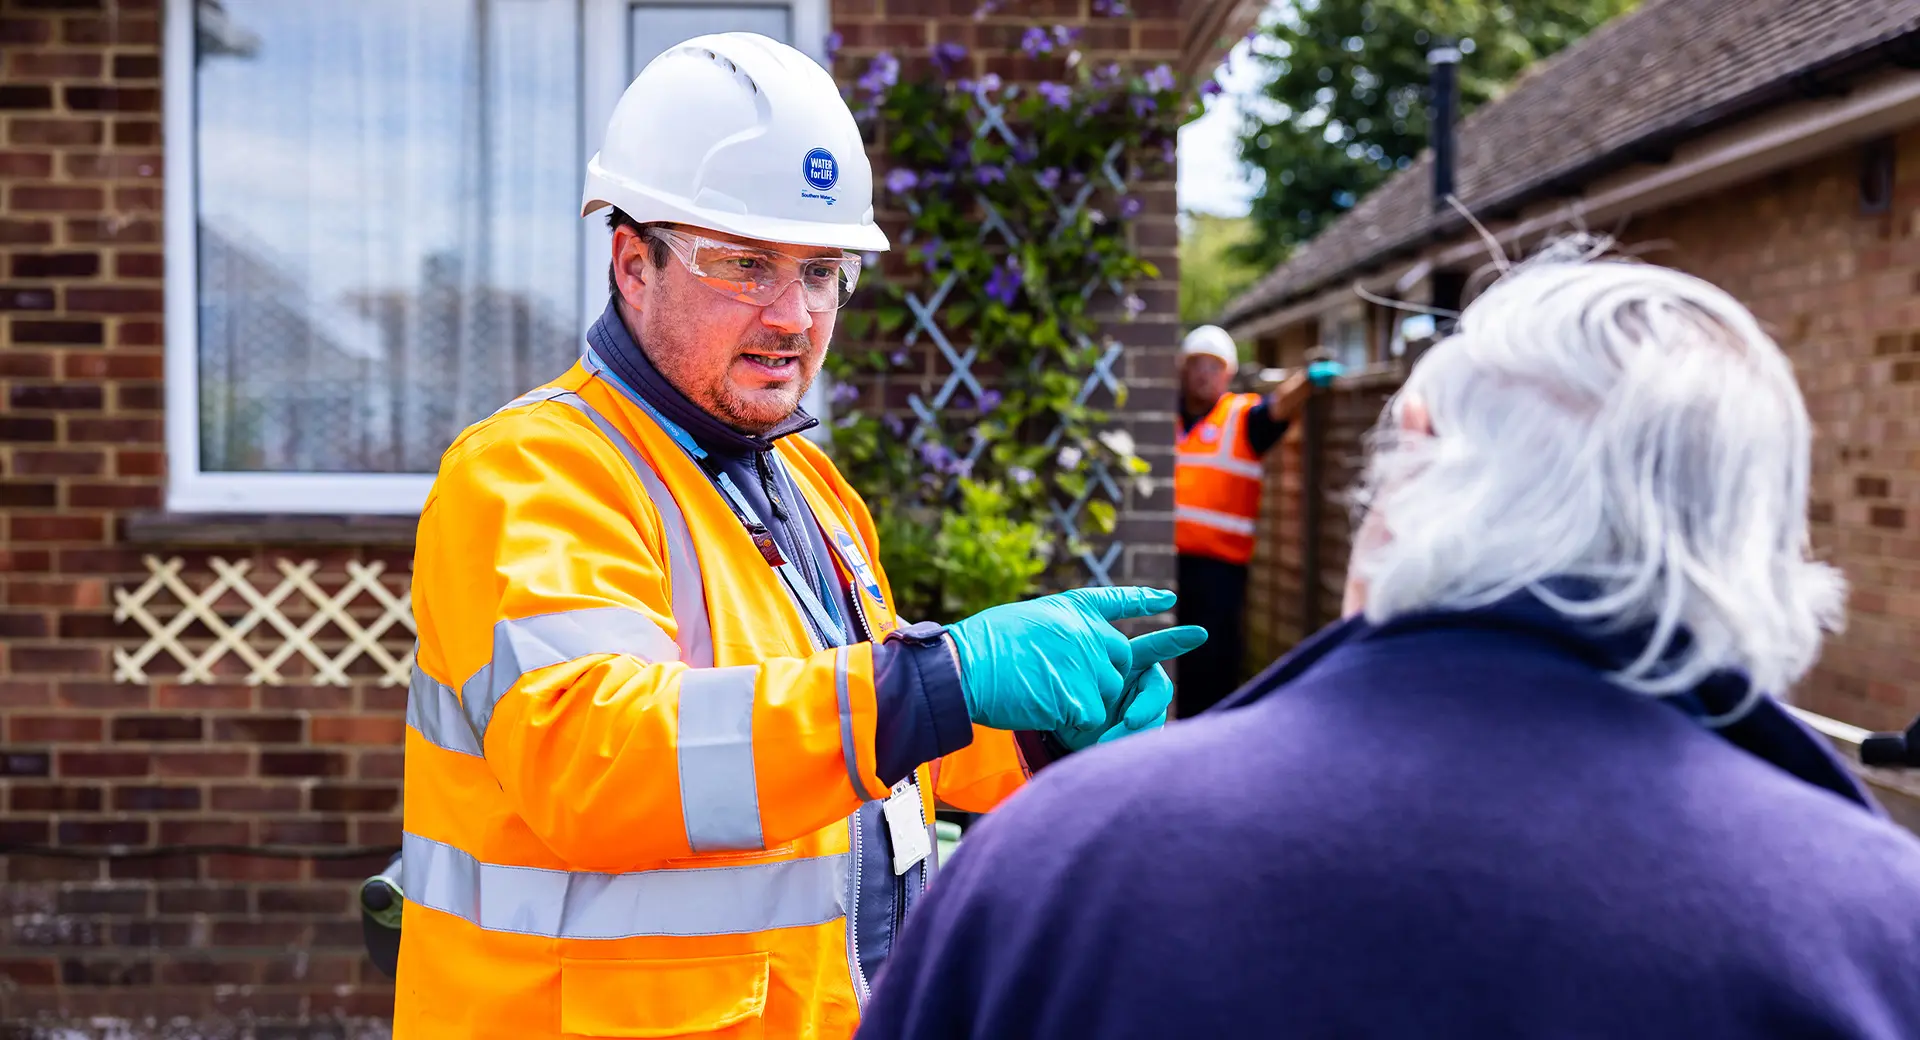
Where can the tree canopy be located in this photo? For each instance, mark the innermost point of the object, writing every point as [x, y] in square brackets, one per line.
[1345, 102]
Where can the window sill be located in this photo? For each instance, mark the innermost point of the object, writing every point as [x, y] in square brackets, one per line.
[226, 529]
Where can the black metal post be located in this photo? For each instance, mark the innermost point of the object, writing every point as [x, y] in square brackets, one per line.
[1442, 62]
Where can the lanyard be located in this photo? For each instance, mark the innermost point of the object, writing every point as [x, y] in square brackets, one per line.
[826, 629]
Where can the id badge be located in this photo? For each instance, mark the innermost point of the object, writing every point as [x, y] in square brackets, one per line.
[907, 826]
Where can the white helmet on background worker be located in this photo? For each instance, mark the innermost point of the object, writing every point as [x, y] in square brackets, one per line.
[738, 133]
[1210, 341]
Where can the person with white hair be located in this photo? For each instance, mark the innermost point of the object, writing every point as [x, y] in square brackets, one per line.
[1536, 783]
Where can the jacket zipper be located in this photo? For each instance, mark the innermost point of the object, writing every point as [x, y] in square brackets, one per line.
[864, 990]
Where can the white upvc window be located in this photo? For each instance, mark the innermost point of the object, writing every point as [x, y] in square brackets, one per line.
[372, 224]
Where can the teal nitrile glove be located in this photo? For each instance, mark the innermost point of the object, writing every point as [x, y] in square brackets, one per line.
[1320, 373]
[1053, 664]
[1148, 693]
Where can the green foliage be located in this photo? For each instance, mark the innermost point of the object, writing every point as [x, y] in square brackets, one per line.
[958, 535]
[1345, 105]
[1211, 268]
[983, 556]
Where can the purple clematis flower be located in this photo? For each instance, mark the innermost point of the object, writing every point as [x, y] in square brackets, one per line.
[902, 180]
[1005, 282]
[1160, 79]
[1059, 95]
[845, 393]
[1212, 88]
[893, 424]
[884, 72]
[1035, 42]
[948, 56]
[989, 401]
[990, 175]
[1130, 207]
[1048, 178]
[899, 360]
[834, 42]
[929, 252]
[1144, 106]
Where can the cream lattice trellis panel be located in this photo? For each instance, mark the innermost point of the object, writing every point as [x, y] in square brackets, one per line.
[268, 625]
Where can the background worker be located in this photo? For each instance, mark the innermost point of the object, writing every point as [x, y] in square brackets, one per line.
[671, 758]
[1220, 440]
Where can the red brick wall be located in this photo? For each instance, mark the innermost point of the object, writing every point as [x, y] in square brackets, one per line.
[110, 772]
[91, 765]
[1840, 291]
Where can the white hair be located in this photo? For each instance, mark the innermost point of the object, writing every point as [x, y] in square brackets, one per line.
[1626, 426]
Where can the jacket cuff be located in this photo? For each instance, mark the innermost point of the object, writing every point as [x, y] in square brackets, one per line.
[921, 707]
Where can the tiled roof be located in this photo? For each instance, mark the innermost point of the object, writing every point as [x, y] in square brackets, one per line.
[1666, 70]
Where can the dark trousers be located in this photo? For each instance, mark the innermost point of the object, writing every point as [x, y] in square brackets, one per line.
[1213, 595]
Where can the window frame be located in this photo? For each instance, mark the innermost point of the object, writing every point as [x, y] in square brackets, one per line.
[604, 56]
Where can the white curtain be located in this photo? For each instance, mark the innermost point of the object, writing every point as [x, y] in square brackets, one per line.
[388, 224]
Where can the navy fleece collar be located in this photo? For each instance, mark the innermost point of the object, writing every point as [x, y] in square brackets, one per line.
[1524, 624]
[628, 361]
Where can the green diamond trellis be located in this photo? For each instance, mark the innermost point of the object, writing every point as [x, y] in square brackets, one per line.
[924, 317]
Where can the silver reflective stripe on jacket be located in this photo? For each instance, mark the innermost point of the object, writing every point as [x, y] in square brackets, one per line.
[683, 564]
[1215, 519]
[718, 801]
[847, 745]
[521, 645]
[566, 904]
[433, 709]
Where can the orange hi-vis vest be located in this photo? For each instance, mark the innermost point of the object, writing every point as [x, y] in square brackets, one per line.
[640, 798]
[1216, 484]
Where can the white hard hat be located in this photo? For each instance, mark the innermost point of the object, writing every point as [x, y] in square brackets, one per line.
[738, 133]
[1210, 341]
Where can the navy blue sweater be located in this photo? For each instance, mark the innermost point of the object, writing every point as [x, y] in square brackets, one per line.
[1447, 826]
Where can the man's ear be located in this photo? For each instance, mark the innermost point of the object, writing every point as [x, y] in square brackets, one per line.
[632, 265]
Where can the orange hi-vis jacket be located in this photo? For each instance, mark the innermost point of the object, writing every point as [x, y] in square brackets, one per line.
[1216, 484]
[641, 799]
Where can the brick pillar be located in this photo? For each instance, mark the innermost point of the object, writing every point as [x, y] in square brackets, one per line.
[1149, 35]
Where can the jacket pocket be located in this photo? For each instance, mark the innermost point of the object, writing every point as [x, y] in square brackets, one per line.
[693, 997]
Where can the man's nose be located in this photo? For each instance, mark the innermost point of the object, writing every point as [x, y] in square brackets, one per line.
[788, 311]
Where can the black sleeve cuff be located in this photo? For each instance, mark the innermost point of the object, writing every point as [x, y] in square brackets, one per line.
[922, 708]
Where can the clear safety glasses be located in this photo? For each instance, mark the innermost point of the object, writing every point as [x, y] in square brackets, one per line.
[760, 276]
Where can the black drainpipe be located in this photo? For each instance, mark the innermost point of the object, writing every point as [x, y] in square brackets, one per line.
[1442, 61]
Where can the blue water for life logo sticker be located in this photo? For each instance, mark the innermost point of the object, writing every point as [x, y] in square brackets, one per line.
[822, 170]
[850, 551]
